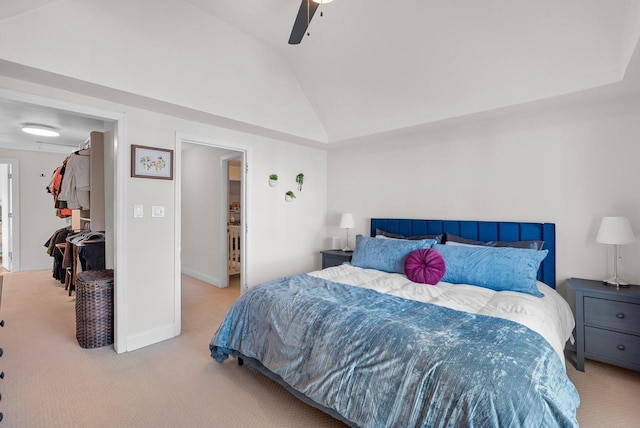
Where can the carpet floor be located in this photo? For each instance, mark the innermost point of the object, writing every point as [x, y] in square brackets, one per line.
[50, 381]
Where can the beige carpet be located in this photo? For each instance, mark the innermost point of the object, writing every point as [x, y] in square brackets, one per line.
[609, 395]
[52, 382]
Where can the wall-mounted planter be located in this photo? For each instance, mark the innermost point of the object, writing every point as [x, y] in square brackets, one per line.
[300, 180]
[289, 196]
[273, 180]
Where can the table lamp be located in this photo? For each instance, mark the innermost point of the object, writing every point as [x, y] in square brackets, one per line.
[615, 231]
[346, 222]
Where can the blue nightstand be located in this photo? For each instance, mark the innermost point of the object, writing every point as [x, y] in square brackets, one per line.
[607, 323]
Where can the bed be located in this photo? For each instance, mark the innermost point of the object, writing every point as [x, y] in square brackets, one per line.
[367, 344]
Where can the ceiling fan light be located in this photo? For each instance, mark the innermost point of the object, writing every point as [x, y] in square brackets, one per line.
[40, 130]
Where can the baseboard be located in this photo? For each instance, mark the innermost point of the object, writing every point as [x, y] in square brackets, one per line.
[150, 337]
[34, 267]
[202, 277]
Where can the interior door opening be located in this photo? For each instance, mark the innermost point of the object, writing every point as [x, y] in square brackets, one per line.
[233, 191]
[211, 213]
[211, 221]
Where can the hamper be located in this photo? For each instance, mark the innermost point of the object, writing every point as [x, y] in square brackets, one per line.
[94, 308]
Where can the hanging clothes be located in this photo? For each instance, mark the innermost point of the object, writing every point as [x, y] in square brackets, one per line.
[54, 248]
[90, 249]
[84, 251]
[74, 188]
[54, 188]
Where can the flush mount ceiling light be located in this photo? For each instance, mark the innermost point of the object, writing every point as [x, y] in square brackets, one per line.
[40, 130]
[322, 1]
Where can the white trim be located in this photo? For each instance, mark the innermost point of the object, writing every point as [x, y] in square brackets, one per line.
[223, 249]
[121, 266]
[14, 246]
[244, 215]
[224, 213]
[93, 112]
[120, 177]
[177, 226]
[32, 268]
[150, 337]
[202, 277]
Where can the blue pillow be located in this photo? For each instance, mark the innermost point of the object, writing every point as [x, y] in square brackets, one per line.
[496, 268]
[534, 245]
[385, 254]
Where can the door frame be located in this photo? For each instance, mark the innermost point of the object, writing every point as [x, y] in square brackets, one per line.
[14, 230]
[118, 205]
[245, 154]
[224, 213]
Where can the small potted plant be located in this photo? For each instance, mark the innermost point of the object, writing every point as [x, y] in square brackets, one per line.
[273, 180]
[289, 196]
[300, 180]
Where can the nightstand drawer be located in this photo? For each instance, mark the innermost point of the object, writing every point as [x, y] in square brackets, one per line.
[329, 261]
[612, 314]
[612, 345]
[332, 258]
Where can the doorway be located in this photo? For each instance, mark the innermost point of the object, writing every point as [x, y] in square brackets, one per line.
[211, 199]
[231, 190]
[116, 168]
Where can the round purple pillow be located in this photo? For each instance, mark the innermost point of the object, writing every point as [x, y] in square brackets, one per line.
[425, 266]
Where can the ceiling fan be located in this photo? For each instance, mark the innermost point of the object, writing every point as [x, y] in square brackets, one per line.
[305, 13]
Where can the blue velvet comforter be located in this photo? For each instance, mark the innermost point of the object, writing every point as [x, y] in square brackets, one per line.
[384, 361]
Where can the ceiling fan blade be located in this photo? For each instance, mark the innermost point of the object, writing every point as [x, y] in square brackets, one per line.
[302, 21]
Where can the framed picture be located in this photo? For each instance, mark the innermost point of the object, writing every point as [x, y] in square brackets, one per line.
[151, 162]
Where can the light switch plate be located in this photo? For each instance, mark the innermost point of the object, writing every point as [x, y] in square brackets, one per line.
[157, 211]
[138, 211]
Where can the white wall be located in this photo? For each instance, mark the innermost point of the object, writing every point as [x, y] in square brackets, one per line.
[37, 214]
[281, 240]
[568, 165]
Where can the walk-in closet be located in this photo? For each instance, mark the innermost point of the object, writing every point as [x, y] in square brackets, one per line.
[77, 188]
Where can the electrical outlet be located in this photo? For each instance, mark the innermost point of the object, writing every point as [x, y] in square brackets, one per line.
[138, 211]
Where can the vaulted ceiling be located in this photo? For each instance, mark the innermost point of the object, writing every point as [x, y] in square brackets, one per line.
[372, 66]
[368, 67]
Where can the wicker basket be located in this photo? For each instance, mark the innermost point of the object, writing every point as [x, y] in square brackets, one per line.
[94, 308]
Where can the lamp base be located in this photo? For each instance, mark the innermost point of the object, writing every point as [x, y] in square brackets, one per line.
[615, 281]
[346, 245]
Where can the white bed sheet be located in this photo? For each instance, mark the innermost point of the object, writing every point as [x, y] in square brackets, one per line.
[550, 316]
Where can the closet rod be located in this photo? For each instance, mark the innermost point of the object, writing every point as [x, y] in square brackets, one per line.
[86, 144]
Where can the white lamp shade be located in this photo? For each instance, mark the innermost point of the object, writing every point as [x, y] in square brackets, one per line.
[346, 221]
[615, 230]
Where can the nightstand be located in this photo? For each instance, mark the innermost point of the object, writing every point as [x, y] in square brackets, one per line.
[335, 257]
[607, 323]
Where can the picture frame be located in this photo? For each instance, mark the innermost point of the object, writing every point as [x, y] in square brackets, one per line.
[151, 162]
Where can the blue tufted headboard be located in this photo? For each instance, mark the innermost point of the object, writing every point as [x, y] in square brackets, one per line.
[481, 231]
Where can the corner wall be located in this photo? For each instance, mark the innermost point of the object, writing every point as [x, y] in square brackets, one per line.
[567, 165]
